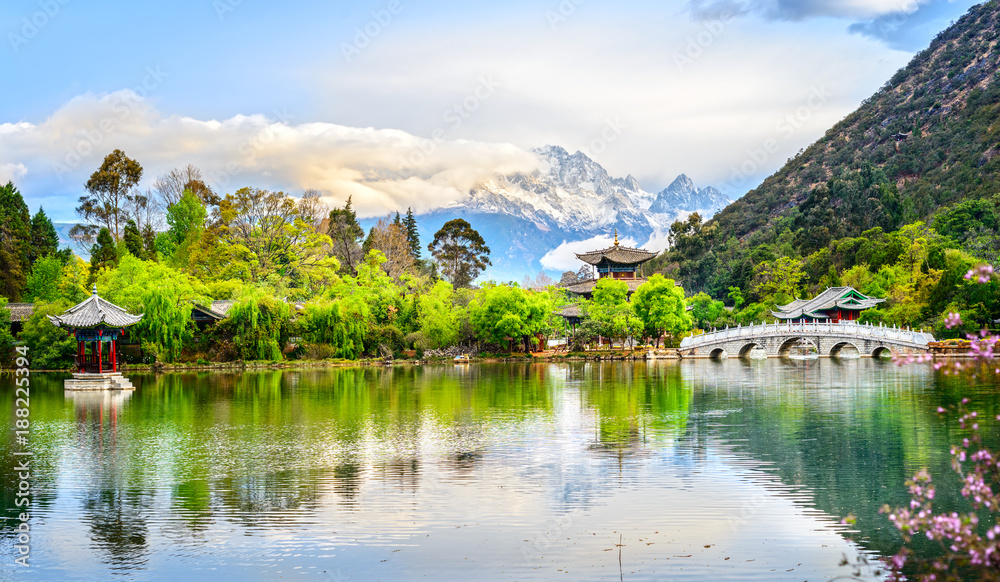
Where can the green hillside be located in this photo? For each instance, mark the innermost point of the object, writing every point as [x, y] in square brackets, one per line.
[922, 151]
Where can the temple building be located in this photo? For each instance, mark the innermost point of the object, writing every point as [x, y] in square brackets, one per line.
[616, 262]
[834, 305]
[96, 325]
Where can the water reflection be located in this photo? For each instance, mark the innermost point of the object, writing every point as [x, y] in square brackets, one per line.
[489, 471]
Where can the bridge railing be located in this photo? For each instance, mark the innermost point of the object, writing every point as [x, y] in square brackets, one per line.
[860, 330]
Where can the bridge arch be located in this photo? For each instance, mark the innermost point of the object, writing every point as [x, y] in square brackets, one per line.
[718, 354]
[837, 348]
[786, 346]
[881, 351]
[748, 347]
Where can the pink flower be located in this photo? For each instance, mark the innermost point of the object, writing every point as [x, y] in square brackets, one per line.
[953, 320]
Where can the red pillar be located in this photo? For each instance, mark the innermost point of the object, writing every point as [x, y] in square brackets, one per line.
[81, 355]
[114, 357]
[100, 362]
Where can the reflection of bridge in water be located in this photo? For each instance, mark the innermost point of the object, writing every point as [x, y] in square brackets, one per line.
[777, 339]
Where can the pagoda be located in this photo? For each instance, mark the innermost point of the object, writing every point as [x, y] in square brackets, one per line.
[96, 323]
[834, 305]
[614, 262]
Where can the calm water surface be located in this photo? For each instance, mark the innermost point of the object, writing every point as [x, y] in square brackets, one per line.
[701, 470]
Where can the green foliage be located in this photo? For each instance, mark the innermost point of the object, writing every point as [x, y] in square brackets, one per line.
[51, 347]
[659, 304]
[346, 234]
[110, 191]
[6, 339]
[133, 240]
[104, 254]
[501, 314]
[339, 324]
[438, 317]
[186, 220]
[612, 311]
[45, 279]
[15, 243]
[166, 324]
[44, 238]
[412, 235]
[259, 323]
[705, 310]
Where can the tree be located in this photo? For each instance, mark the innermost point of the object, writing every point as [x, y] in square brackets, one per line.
[438, 318]
[311, 208]
[45, 279]
[705, 310]
[170, 187]
[166, 322]
[611, 309]
[259, 323]
[44, 238]
[390, 239]
[461, 252]
[502, 312]
[103, 254]
[412, 235]
[736, 296]
[15, 242]
[262, 230]
[51, 348]
[109, 192]
[6, 339]
[186, 220]
[73, 281]
[340, 324]
[777, 282]
[133, 240]
[659, 304]
[346, 234]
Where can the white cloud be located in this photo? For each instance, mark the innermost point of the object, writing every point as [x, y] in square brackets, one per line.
[563, 257]
[12, 172]
[383, 169]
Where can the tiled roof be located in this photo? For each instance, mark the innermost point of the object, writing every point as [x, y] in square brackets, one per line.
[20, 312]
[95, 311]
[217, 310]
[617, 254]
[588, 286]
[570, 311]
[833, 297]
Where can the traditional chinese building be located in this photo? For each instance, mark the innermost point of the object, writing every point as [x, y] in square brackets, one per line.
[615, 262]
[834, 305]
[97, 325]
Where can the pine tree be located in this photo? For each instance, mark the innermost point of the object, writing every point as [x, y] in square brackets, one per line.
[133, 240]
[410, 222]
[103, 254]
[346, 234]
[44, 239]
[149, 241]
[15, 243]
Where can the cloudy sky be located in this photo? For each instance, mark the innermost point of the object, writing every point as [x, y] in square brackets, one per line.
[403, 103]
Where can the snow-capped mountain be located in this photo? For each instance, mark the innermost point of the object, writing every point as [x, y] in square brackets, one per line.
[523, 216]
[682, 195]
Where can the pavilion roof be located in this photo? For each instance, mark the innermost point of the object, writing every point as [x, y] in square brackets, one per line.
[834, 297]
[617, 254]
[93, 312]
[20, 312]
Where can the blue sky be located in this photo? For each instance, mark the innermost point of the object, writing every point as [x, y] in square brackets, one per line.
[435, 95]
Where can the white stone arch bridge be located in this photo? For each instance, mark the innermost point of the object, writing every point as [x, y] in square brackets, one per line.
[777, 339]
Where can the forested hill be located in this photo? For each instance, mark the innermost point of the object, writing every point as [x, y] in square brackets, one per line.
[926, 141]
[946, 104]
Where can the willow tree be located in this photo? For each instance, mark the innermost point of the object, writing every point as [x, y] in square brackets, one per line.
[259, 323]
[339, 324]
[437, 315]
[166, 323]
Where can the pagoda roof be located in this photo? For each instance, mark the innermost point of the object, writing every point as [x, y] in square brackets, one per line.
[93, 312]
[833, 298]
[617, 254]
[217, 310]
[20, 312]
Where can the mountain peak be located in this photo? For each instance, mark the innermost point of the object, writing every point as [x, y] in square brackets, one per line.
[681, 182]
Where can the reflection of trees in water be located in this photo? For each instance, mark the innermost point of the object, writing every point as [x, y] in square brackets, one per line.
[118, 528]
[848, 434]
[634, 403]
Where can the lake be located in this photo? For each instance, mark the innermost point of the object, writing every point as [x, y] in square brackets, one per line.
[679, 470]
